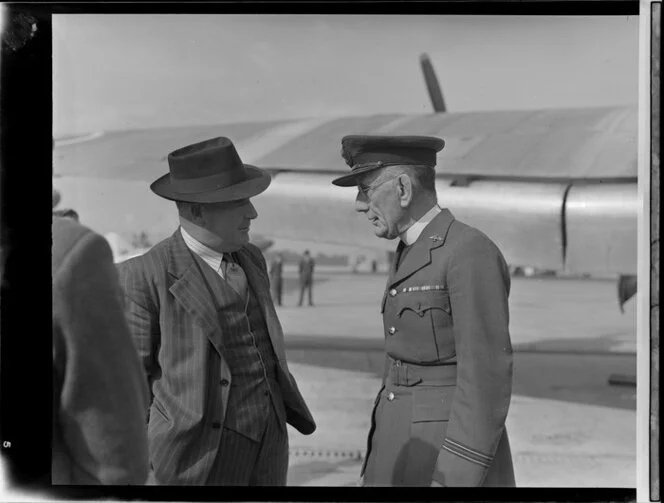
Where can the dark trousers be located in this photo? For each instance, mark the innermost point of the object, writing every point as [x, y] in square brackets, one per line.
[306, 285]
[243, 462]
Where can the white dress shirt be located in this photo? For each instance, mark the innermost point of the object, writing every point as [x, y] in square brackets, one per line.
[410, 235]
[212, 257]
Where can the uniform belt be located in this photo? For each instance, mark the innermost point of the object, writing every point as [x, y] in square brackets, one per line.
[408, 374]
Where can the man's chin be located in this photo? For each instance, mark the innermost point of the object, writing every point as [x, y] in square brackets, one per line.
[382, 233]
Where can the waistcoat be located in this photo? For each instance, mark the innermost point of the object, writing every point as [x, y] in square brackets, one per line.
[248, 351]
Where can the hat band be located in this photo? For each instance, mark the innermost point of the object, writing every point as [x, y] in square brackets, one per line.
[208, 183]
[378, 164]
[381, 164]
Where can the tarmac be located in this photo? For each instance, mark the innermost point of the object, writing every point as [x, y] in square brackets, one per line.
[568, 427]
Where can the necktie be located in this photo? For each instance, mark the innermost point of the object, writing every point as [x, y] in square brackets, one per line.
[401, 252]
[234, 275]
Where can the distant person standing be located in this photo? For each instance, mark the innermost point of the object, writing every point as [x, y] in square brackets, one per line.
[100, 394]
[276, 278]
[306, 270]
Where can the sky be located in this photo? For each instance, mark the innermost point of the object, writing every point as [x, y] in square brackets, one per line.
[115, 72]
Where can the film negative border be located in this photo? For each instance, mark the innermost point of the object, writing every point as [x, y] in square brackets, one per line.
[655, 123]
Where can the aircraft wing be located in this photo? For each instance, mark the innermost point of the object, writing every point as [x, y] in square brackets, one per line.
[556, 189]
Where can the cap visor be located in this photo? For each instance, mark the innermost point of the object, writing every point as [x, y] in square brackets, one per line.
[350, 179]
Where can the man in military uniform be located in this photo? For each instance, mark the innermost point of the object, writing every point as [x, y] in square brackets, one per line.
[277, 278]
[306, 275]
[439, 418]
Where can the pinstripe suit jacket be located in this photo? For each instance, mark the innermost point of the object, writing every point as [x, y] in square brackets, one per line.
[180, 339]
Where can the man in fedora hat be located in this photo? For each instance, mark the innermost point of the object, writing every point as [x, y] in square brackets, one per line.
[439, 417]
[200, 312]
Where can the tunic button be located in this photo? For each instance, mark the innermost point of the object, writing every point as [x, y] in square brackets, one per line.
[216, 425]
[393, 292]
[224, 382]
[390, 396]
[392, 330]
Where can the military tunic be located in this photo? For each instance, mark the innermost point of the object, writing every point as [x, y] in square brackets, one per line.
[440, 414]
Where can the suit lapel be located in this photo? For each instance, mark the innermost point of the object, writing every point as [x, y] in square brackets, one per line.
[419, 256]
[190, 290]
[260, 287]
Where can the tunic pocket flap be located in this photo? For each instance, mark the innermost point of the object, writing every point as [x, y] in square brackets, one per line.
[421, 302]
[432, 404]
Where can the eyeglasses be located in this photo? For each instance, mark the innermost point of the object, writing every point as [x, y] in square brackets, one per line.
[365, 191]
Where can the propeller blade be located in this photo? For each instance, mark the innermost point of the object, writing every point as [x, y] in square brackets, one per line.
[433, 86]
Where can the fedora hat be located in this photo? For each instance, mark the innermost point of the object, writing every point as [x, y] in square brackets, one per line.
[209, 172]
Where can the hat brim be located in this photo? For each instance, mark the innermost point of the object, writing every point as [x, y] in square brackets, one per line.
[257, 181]
[350, 179]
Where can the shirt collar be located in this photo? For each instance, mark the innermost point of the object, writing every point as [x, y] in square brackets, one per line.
[211, 257]
[410, 235]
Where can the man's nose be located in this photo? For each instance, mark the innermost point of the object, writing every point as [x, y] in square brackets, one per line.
[361, 204]
[251, 211]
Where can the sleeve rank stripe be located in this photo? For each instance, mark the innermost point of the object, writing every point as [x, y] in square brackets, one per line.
[468, 450]
[461, 455]
[423, 288]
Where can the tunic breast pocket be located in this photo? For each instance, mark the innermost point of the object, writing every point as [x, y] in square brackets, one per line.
[427, 319]
[432, 307]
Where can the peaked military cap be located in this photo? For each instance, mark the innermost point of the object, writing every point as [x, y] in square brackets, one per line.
[365, 153]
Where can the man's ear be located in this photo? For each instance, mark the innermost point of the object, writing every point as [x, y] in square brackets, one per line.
[197, 214]
[404, 190]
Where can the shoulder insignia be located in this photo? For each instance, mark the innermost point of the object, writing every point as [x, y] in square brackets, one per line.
[423, 288]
